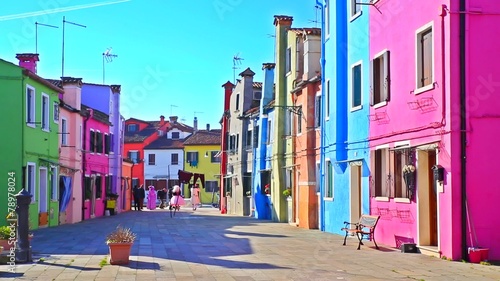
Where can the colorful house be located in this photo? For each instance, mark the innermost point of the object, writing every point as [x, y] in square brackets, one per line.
[127, 184]
[204, 146]
[32, 149]
[237, 177]
[305, 95]
[70, 156]
[261, 166]
[95, 162]
[106, 99]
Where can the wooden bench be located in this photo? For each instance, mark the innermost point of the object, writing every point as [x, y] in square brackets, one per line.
[364, 227]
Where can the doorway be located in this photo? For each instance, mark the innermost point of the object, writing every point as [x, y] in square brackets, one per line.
[427, 199]
[355, 190]
[43, 199]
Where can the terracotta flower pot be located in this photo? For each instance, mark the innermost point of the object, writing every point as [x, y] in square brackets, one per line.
[119, 253]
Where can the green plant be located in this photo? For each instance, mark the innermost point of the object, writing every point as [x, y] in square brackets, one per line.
[5, 232]
[287, 192]
[248, 193]
[103, 262]
[485, 263]
[121, 235]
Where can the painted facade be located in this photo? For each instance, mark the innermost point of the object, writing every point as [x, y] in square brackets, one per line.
[127, 185]
[95, 162]
[245, 96]
[32, 146]
[206, 145]
[306, 139]
[261, 176]
[70, 147]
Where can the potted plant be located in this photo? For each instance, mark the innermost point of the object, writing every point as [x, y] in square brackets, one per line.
[120, 242]
[267, 189]
[248, 193]
[5, 232]
[409, 178]
[287, 192]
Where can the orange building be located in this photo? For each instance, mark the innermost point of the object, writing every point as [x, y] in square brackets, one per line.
[126, 184]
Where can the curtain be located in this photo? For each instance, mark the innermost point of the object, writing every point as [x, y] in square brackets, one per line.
[64, 193]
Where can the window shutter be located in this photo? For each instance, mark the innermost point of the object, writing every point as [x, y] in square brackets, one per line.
[392, 172]
[371, 85]
[427, 58]
[129, 155]
[387, 78]
[372, 173]
[92, 141]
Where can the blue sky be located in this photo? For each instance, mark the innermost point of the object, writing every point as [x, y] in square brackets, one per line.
[173, 56]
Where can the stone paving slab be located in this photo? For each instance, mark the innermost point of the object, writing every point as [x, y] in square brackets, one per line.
[205, 245]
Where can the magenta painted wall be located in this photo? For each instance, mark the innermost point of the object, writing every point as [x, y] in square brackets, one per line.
[394, 29]
[96, 164]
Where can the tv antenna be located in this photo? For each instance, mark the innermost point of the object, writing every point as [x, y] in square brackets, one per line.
[36, 33]
[236, 61]
[106, 57]
[64, 23]
[196, 113]
[171, 109]
[316, 21]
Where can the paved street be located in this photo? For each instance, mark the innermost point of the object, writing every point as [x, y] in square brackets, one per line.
[204, 245]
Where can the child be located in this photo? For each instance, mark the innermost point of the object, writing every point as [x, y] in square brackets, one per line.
[177, 200]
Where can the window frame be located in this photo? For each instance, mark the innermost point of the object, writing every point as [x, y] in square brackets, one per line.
[64, 131]
[31, 186]
[317, 111]
[130, 153]
[133, 126]
[419, 33]
[329, 180]
[353, 10]
[30, 106]
[92, 143]
[54, 184]
[299, 120]
[327, 100]
[45, 112]
[56, 112]
[176, 162]
[382, 174]
[151, 156]
[176, 135]
[352, 105]
[214, 159]
[327, 19]
[288, 60]
[385, 85]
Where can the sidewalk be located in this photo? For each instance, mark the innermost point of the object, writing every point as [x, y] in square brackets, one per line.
[204, 245]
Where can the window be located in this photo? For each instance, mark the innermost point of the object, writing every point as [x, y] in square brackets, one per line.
[265, 182]
[107, 184]
[80, 139]
[175, 135]
[401, 158]
[55, 116]
[356, 86]
[380, 169]
[329, 179]
[30, 106]
[256, 136]
[269, 131]
[192, 158]
[299, 120]
[237, 142]
[134, 156]
[106, 144]
[249, 139]
[88, 187]
[92, 141]
[151, 159]
[424, 57]
[174, 159]
[30, 180]
[317, 112]
[98, 186]
[132, 128]
[327, 97]
[213, 157]
[99, 142]
[355, 8]
[211, 186]
[237, 101]
[135, 182]
[45, 112]
[257, 95]
[54, 192]
[288, 60]
[380, 82]
[288, 122]
[64, 132]
[111, 143]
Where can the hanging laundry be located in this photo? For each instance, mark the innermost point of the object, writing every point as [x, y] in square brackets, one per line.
[184, 177]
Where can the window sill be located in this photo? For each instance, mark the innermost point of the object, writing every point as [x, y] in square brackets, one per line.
[380, 104]
[31, 125]
[330, 199]
[356, 108]
[382, 199]
[424, 89]
[46, 130]
[402, 200]
[355, 16]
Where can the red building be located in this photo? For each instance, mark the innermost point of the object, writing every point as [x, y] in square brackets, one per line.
[228, 89]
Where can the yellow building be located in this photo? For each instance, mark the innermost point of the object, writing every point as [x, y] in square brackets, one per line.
[202, 150]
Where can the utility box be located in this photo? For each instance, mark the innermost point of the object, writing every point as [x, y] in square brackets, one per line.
[409, 248]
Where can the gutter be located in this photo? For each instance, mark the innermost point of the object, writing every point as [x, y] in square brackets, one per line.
[463, 126]
[322, 116]
[84, 161]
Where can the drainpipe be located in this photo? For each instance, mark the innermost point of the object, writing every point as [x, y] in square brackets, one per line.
[322, 120]
[463, 127]
[84, 161]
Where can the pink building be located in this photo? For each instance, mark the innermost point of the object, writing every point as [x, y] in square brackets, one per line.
[430, 164]
[95, 162]
[70, 150]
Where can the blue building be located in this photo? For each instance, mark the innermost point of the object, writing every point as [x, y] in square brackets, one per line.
[262, 149]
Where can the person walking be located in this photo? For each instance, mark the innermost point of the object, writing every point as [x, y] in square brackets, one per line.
[177, 200]
[152, 198]
[195, 196]
[141, 196]
[135, 194]
[162, 195]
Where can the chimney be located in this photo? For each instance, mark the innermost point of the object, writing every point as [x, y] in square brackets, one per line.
[208, 127]
[282, 25]
[72, 91]
[173, 119]
[28, 61]
[195, 124]
[162, 120]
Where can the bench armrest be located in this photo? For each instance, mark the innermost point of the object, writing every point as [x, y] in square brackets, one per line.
[347, 224]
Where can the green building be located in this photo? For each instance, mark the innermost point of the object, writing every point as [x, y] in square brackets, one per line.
[30, 146]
